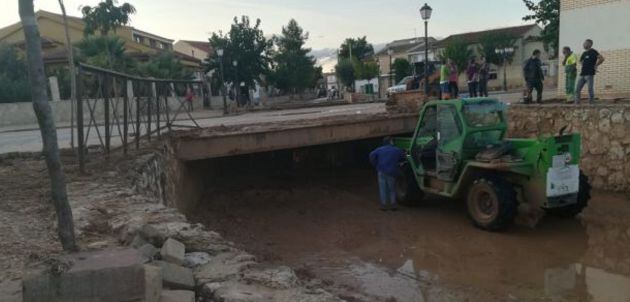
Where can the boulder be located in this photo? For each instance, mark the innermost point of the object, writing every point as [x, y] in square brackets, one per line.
[173, 251]
[175, 276]
[177, 296]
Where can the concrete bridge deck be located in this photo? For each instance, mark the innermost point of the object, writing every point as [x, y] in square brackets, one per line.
[290, 129]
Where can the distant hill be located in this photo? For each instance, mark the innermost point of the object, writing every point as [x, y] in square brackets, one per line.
[327, 57]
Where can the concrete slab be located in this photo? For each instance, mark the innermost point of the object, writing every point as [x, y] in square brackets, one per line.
[111, 275]
[175, 276]
[177, 296]
[153, 283]
[173, 251]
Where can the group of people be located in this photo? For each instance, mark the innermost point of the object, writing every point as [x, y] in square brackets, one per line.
[477, 75]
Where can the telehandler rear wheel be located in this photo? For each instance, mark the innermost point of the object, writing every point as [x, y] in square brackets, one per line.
[492, 203]
[408, 192]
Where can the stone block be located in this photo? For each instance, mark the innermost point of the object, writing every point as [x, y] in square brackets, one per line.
[177, 296]
[175, 276]
[153, 283]
[138, 242]
[173, 251]
[111, 275]
[196, 259]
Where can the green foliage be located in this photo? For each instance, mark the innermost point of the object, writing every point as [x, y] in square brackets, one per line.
[361, 49]
[14, 82]
[294, 70]
[106, 52]
[164, 66]
[402, 68]
[490, 42]
[106, 16]
[245, 43]
[546, 13]
[346, 72]
[366, 70]
[459, 52]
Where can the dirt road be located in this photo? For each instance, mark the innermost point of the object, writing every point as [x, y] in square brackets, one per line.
[327, 225]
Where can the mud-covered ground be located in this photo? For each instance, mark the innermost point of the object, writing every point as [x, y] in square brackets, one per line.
[326, 224]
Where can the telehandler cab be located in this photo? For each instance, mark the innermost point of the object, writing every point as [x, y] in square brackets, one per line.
[459, 151]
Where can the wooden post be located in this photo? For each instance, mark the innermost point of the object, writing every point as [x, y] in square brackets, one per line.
[125, 117]
[80, 130]
[105, 89]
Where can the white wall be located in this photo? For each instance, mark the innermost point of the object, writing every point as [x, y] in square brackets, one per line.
[607, 24]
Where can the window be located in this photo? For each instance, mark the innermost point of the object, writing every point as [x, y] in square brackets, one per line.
[484, 114]
[138, 39]
[428, 126]
[153, 43]
[449, 124]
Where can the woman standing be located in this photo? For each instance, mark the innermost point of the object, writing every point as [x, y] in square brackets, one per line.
[484, 74]
[472, 72]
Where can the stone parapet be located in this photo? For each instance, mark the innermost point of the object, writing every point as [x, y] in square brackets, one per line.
[605, 133]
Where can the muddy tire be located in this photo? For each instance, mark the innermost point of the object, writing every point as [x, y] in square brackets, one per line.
[407, 191]
[584, 195]
[492, 203]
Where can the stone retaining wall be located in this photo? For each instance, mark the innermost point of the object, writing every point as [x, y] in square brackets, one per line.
[605, 133]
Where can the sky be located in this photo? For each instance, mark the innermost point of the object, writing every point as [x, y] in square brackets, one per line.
[328, 22]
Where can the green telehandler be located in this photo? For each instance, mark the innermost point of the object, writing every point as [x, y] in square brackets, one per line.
[459, 150]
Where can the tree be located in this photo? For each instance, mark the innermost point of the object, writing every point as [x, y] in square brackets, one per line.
[106, 52]
[247, 45]
[345, 72]
[459, 52]
[13, 76]
[294, 69]
[367, 70]
[106, 16]
[402, 68]
[490, 42]
[65, 223]
[546, 13]
[359, 48]
[164, 66]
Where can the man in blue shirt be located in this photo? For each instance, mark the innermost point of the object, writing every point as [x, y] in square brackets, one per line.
[386, 160]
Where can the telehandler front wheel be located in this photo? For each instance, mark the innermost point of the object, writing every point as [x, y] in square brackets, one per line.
[408, 192]
[492, 203]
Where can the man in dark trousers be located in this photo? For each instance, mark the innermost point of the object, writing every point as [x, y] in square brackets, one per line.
[534, 77]
[386, 159]
[590, 60]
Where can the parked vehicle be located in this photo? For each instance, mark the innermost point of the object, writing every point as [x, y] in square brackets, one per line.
[459, 150]
[400, 87]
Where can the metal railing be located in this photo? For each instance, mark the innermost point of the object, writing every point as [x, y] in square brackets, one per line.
[123, 107]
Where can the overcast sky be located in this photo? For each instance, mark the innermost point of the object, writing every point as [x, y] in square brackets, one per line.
[328, 21]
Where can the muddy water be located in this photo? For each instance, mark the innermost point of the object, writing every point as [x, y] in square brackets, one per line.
[328, 227]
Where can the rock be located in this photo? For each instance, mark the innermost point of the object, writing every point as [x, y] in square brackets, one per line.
[604, 125]
[175, 276]
[153, 283]
[111, 275]
[151, 234]
[617, 118]
[138, 242]
[148, 251]
[11, 291]
[616, 151]
[173, 251]
[192, 260]
[604, 113]
[223, 267]
[602, 171]
[616, 180]
[278, 278]
[177, 296]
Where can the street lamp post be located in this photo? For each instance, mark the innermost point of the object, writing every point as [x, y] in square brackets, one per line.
[236, 84]
[220, 53]
[390, 52]
[425, 13]
[505, 53]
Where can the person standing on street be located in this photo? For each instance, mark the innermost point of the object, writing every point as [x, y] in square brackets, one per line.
[570, 72]
[453, 79]
[484, 76]
[472, 72]
[386, 159]
[534, 77]
[445, 73]
[590, 60]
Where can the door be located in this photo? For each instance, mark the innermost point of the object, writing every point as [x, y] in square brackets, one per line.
[449, 129]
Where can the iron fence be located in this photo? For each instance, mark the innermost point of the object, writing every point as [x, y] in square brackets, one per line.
[124, 107]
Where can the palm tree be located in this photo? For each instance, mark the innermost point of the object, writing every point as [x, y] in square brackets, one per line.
[39, 92]
[105, 51]
[106, 17]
